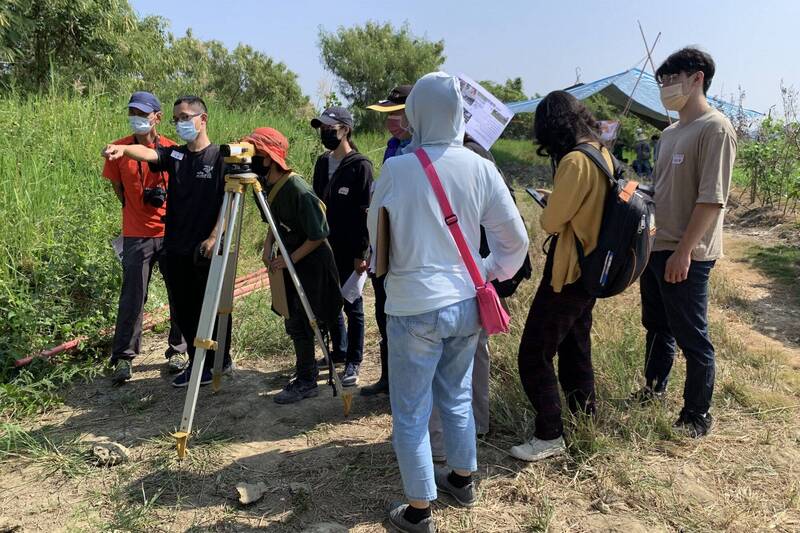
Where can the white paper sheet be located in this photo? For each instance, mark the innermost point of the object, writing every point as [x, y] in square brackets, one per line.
[354, 286]
[486, 116]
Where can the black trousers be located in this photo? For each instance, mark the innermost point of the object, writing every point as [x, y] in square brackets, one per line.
[558, 322]
[187, 282]
[676, 315]
[139, 255]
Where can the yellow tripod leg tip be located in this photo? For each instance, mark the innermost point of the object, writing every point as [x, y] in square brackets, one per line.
[216, 382]
[347, 399]
[182, 440]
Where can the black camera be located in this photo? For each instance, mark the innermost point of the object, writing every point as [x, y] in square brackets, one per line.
[155, 196]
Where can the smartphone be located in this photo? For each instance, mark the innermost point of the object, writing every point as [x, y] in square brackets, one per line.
[536, 196]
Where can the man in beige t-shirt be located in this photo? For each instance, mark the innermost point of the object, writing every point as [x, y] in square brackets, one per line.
[692, 180]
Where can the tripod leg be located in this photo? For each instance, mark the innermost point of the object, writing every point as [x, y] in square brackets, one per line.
[226, 305]
[347, 398]
[205, 326]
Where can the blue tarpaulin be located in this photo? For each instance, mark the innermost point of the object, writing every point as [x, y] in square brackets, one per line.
[645, 103]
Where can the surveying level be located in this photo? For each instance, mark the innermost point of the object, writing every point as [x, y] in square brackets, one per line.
[218, 298]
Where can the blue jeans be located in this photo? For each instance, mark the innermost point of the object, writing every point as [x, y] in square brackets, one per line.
[676, 315]
[430, 360]
[348, 341]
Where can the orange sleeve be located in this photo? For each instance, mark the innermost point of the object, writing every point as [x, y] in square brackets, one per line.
[111, 171]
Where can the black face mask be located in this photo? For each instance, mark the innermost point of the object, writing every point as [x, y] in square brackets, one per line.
[260, 165]
[330, 139]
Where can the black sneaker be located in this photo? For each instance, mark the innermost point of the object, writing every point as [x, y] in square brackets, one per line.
[381, 387]
[646, 396]
[183, 378]
[350, 376]
[123, 371]
[693, 425]
[297, 390]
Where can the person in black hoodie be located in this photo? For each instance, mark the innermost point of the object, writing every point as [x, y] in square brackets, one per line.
[342, 180]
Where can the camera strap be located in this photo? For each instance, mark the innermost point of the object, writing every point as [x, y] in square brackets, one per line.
[139, 165]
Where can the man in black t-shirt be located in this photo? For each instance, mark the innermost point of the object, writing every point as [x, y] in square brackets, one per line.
[195, 192]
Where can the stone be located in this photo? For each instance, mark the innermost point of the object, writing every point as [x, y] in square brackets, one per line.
[109, 453]
[250, 492]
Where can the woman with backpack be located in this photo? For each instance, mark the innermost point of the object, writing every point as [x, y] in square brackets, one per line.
[560, 318]
[342, 180]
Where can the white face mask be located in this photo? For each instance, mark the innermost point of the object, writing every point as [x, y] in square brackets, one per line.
[140, 125]
[673, 97]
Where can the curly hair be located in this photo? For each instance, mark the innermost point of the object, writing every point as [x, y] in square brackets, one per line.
[560, 120]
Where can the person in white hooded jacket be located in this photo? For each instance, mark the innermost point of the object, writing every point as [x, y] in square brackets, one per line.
[433, 322]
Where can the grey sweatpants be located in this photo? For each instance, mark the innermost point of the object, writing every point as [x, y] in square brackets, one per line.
[480, 398]
[139, 254]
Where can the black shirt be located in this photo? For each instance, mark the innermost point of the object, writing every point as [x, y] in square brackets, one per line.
[346, 195]
[194, 195]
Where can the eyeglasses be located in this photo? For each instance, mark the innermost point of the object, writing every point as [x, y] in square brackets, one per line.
[671, 79]
[174, 121]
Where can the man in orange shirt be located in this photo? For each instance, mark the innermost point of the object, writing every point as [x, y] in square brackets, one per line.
[142, 194]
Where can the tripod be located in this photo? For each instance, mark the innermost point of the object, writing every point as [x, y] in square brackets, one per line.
[218, 297]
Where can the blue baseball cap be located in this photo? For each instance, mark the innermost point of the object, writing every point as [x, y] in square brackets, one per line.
[144, 101]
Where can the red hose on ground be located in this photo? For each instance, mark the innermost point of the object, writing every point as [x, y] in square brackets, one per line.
[243, 286]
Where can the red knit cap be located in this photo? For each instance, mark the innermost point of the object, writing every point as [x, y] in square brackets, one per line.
[270, 142]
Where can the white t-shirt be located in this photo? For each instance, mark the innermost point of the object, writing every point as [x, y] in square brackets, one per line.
[426, 271]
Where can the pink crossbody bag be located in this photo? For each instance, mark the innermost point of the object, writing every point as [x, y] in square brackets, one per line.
[494, 318]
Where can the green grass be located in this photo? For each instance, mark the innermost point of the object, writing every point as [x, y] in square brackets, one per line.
[63, 455]
[59, 277]
[779, 262]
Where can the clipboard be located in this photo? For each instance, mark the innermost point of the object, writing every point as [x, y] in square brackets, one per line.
[278, 290]
[382, 243]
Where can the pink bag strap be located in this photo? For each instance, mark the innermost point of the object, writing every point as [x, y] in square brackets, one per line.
[450, 218]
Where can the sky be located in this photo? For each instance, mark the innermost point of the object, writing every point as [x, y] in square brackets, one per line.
[550, 45]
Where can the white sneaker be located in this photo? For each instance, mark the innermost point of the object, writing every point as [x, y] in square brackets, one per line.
[536, 449]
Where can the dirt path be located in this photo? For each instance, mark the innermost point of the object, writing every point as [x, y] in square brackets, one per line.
[764, 312]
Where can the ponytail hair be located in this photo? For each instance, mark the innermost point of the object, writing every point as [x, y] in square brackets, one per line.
[350, 139]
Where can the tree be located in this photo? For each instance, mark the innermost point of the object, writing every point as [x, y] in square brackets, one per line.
[75, 43]
[370, 60]
[73, 39]
[241, 78]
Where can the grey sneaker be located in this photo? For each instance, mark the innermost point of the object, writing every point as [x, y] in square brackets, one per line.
[396, 510]
[297, 390]
[465, 496]
[350, 376]
[646, 396]
[176, 361]
[537, 449]
[123, 371]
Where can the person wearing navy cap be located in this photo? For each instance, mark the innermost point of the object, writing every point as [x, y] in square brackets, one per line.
[342, 180]
[143, 236]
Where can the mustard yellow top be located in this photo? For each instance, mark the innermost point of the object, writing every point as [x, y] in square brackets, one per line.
[575, 209]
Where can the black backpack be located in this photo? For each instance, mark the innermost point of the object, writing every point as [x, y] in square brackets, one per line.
[626, 235]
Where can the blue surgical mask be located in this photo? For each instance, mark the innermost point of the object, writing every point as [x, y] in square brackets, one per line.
[186, 130]
[140, 125]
